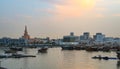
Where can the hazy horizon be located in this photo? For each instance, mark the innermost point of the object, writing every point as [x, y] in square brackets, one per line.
[56, 18]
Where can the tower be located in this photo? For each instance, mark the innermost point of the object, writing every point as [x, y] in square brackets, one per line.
[26, 35]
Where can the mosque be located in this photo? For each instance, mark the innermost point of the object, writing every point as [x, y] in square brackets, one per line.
[26, 35]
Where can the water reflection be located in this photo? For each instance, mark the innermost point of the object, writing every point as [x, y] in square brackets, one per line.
[68, 59]
[118, 64]
[25, 51]
[57, 59]
[25, 63]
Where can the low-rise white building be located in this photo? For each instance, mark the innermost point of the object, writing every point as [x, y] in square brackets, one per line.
[99, 39]
[70, 39]
[13, 42]
[5, 41]
[85, 38]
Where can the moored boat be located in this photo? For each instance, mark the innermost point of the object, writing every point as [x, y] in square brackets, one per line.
[16, 48]
[104, 57]
[10, 51]
[67, 48]
[77, 48]
[43, 50]
[118, 54]
[91, 49]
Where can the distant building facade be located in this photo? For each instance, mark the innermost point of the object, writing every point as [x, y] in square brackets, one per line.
[85, 38]
[99, 38]
[13, 42]
[71, 39]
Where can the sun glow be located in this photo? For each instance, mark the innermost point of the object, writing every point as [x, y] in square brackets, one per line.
[86, 4]
[74, 8]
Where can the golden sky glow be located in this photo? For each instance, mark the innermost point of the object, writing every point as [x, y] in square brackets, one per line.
[55, 18]
[74, 8]
[85, 4]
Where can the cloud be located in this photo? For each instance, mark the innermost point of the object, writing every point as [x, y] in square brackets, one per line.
[50, 11]
[116, 14]
[28, 17]
[73, 8]
[100, 15]
[53, 1]
[101, 9]
[66, 9]
[24, 16]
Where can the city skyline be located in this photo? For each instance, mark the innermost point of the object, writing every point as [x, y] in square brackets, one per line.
[54, 18]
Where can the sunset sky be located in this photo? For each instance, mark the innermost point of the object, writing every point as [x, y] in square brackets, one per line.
[55, 18]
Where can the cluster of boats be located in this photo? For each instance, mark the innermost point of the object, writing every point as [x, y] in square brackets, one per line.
[13, 49]
[44, 49]
[96, 48]
[12, 52]
[71, 47]
[91, 48]
[16, 49]
[104, 57]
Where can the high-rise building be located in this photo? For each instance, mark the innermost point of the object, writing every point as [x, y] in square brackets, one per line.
[26, 35]
[85, 36]
[70, 38]
[99, 37]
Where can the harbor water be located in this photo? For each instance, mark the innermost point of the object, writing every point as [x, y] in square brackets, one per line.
[55, 58]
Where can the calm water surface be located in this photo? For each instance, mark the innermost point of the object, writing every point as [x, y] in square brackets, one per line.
[61, 59]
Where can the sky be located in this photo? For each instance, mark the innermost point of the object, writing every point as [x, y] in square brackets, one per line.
[56, 18]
